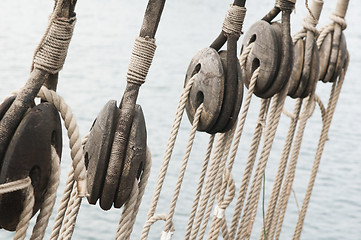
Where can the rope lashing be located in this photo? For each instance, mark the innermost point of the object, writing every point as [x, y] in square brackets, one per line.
[233, 21]
[52, 53]
[141, 60]
[285, 4]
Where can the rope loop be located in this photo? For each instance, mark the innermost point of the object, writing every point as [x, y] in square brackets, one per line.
[285, 4]
[51, 54]
[141, 59]
[233, 21]
[339, 20]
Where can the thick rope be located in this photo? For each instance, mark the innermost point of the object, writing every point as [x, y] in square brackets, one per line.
[74, 137]
[14, 186]
[323, 138]
[131, 207]
[233, 21]
[49, 198]
[141, 60]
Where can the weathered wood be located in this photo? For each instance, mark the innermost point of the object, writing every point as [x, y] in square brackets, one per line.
[208, 87]
[334, 53]
[264, 54]
[341, 59]
[286, 63]
[29, 154]
[325, 52]
[97, 149]
[134, 158]
[298, 57]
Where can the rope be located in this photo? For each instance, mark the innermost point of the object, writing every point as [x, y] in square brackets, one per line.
[252, 201]
[281, 168]
[150, 222]
[74, 137]
[14, 186]
[51, 55]
[26, 214]
[170, 145]
[233, 21]
[335, 93]
[141, 60]
[131, 207]
[197, 116]
[49, 198]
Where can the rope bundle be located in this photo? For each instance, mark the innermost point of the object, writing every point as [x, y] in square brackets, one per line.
[233, 21]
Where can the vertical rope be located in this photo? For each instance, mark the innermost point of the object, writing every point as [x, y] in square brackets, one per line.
[249, 166]
[282, 167]
[323, 138]
[26, 214]
[199, 188]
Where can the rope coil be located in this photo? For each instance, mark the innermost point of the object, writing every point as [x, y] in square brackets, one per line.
[52, 53]
[233, 21]
[141, 59]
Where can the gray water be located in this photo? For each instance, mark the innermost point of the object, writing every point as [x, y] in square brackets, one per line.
[95, 73]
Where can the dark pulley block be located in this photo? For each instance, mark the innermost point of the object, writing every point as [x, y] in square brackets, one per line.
[208, 87]
[341, 58]
[226, 121]
[98, 147]
[325, 53]
[298, 59]
[314, 72]
[29, 154]
[264, 54]
[135, 157]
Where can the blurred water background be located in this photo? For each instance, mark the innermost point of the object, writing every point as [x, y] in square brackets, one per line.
[95, 71]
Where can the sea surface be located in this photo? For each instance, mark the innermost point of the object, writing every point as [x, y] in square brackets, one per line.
[95, 71]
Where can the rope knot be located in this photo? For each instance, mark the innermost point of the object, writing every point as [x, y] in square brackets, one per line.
[285, 4]
[141, 59]
[51, 55]
[233, 21]
[339, 20]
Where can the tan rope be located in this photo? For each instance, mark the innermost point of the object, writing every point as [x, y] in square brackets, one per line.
[26, 214]
[335, 93]
[131, 207]
[199, 188]
[74, 137]
[285, 4]
[282, 167]
[210, 179]
[291, 168]
[249, 166]
[170, 145]
[14, 186]
[233, 21]
[150, 222]
[252, 201]
[141, 60]
[170, 215]
[51, 55]
[49, 198]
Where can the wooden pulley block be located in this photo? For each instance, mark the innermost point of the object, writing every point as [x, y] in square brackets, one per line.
[325, 53]
[234, 100]
[264, 54]
[341, 58]
[302, 86]
[314, 73]
[135, 157]
[98, 151]
[29, 154]
[298, 59]
[98, 147]
[208, 87]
